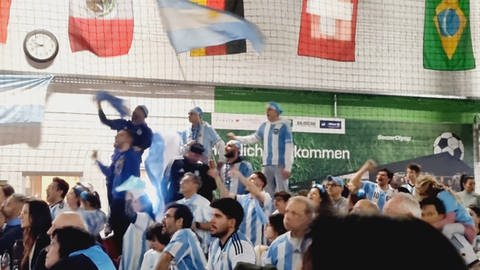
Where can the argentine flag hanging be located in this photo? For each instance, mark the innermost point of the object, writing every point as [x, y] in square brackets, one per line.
[191, 26]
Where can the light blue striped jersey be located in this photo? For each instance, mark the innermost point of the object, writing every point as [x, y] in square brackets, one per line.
[452, 205]
[150, 259]
[232, 184]
[255, 217]
[277, 143]
[186, 251]
[134, 242]
[236, 249]
[208, 137]
[202, 212]
[376, 194]
[286, 252]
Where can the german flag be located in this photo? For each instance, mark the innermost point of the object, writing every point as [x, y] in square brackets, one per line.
[232, 47]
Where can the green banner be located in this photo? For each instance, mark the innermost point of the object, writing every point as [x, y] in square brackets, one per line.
[318, 155]
[447, 43]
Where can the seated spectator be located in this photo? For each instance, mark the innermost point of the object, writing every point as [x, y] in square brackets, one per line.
[35, 221]
[433, 211]
[157, 240]
[94, 218]
[280, 199]
[428, 186]
[73, 196]
[467, 195]
[56, 192]
[274, 229]
[402, 205]
[320, 198]
[13, 231]
[365, 207]
[72, 248]
[6, 191]
[335, 186]
[475, 213]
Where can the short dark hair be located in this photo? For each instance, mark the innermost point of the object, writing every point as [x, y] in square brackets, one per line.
[196, 179]
[276, 222]
[71, 239]
[389, 173]
[282, 195]
[182, 211]
[7, 189]
[475, 209]
[61, 185]
[155, 232]
[230, 208]
[439, 206]
[414, 167]
[262, 177]
[463, 180]
[92, 198]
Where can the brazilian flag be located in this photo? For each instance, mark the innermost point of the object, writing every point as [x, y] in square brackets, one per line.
[447, 44]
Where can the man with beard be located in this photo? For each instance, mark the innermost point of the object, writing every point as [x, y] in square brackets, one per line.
[234, 161]
[231, 246]
[183, 252]
[380, 191]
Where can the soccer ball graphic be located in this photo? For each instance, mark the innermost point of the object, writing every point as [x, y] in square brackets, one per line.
[449, 142]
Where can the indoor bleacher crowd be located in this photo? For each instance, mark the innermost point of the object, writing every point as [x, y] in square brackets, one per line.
[220, 212]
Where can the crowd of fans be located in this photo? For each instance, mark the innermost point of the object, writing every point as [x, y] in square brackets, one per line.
[228, 215]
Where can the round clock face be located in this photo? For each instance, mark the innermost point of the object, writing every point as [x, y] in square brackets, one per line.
[40, 46]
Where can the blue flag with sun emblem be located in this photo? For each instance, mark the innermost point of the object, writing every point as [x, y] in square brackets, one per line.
[447, 44]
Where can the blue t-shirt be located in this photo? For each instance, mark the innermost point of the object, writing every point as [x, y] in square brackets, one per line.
[452, 205]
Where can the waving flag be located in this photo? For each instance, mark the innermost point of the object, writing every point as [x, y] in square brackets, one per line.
[447, 44]
[22, 98]
[117, 103]
[102, 27]
[22, 107]
[165, 146]
[191, 26]
[327, 29]
[232, 47]
[4, 15]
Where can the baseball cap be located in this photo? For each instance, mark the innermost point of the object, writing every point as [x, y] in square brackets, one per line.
[197, 148]
[144, 109]
[339, 181]
[274, 105]
[196, 110]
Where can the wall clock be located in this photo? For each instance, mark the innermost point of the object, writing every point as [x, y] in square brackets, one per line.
[40, 46]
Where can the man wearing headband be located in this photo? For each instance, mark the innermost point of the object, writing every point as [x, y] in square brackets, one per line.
[142, 133]
[203, 133]
[277, 148]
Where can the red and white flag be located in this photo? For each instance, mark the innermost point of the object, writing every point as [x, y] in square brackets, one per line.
[327, 29]
[104, 27]
[4, 15]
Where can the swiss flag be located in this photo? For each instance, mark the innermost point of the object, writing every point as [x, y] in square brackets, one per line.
[4, 15]
[327, 29]
[102, 27]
